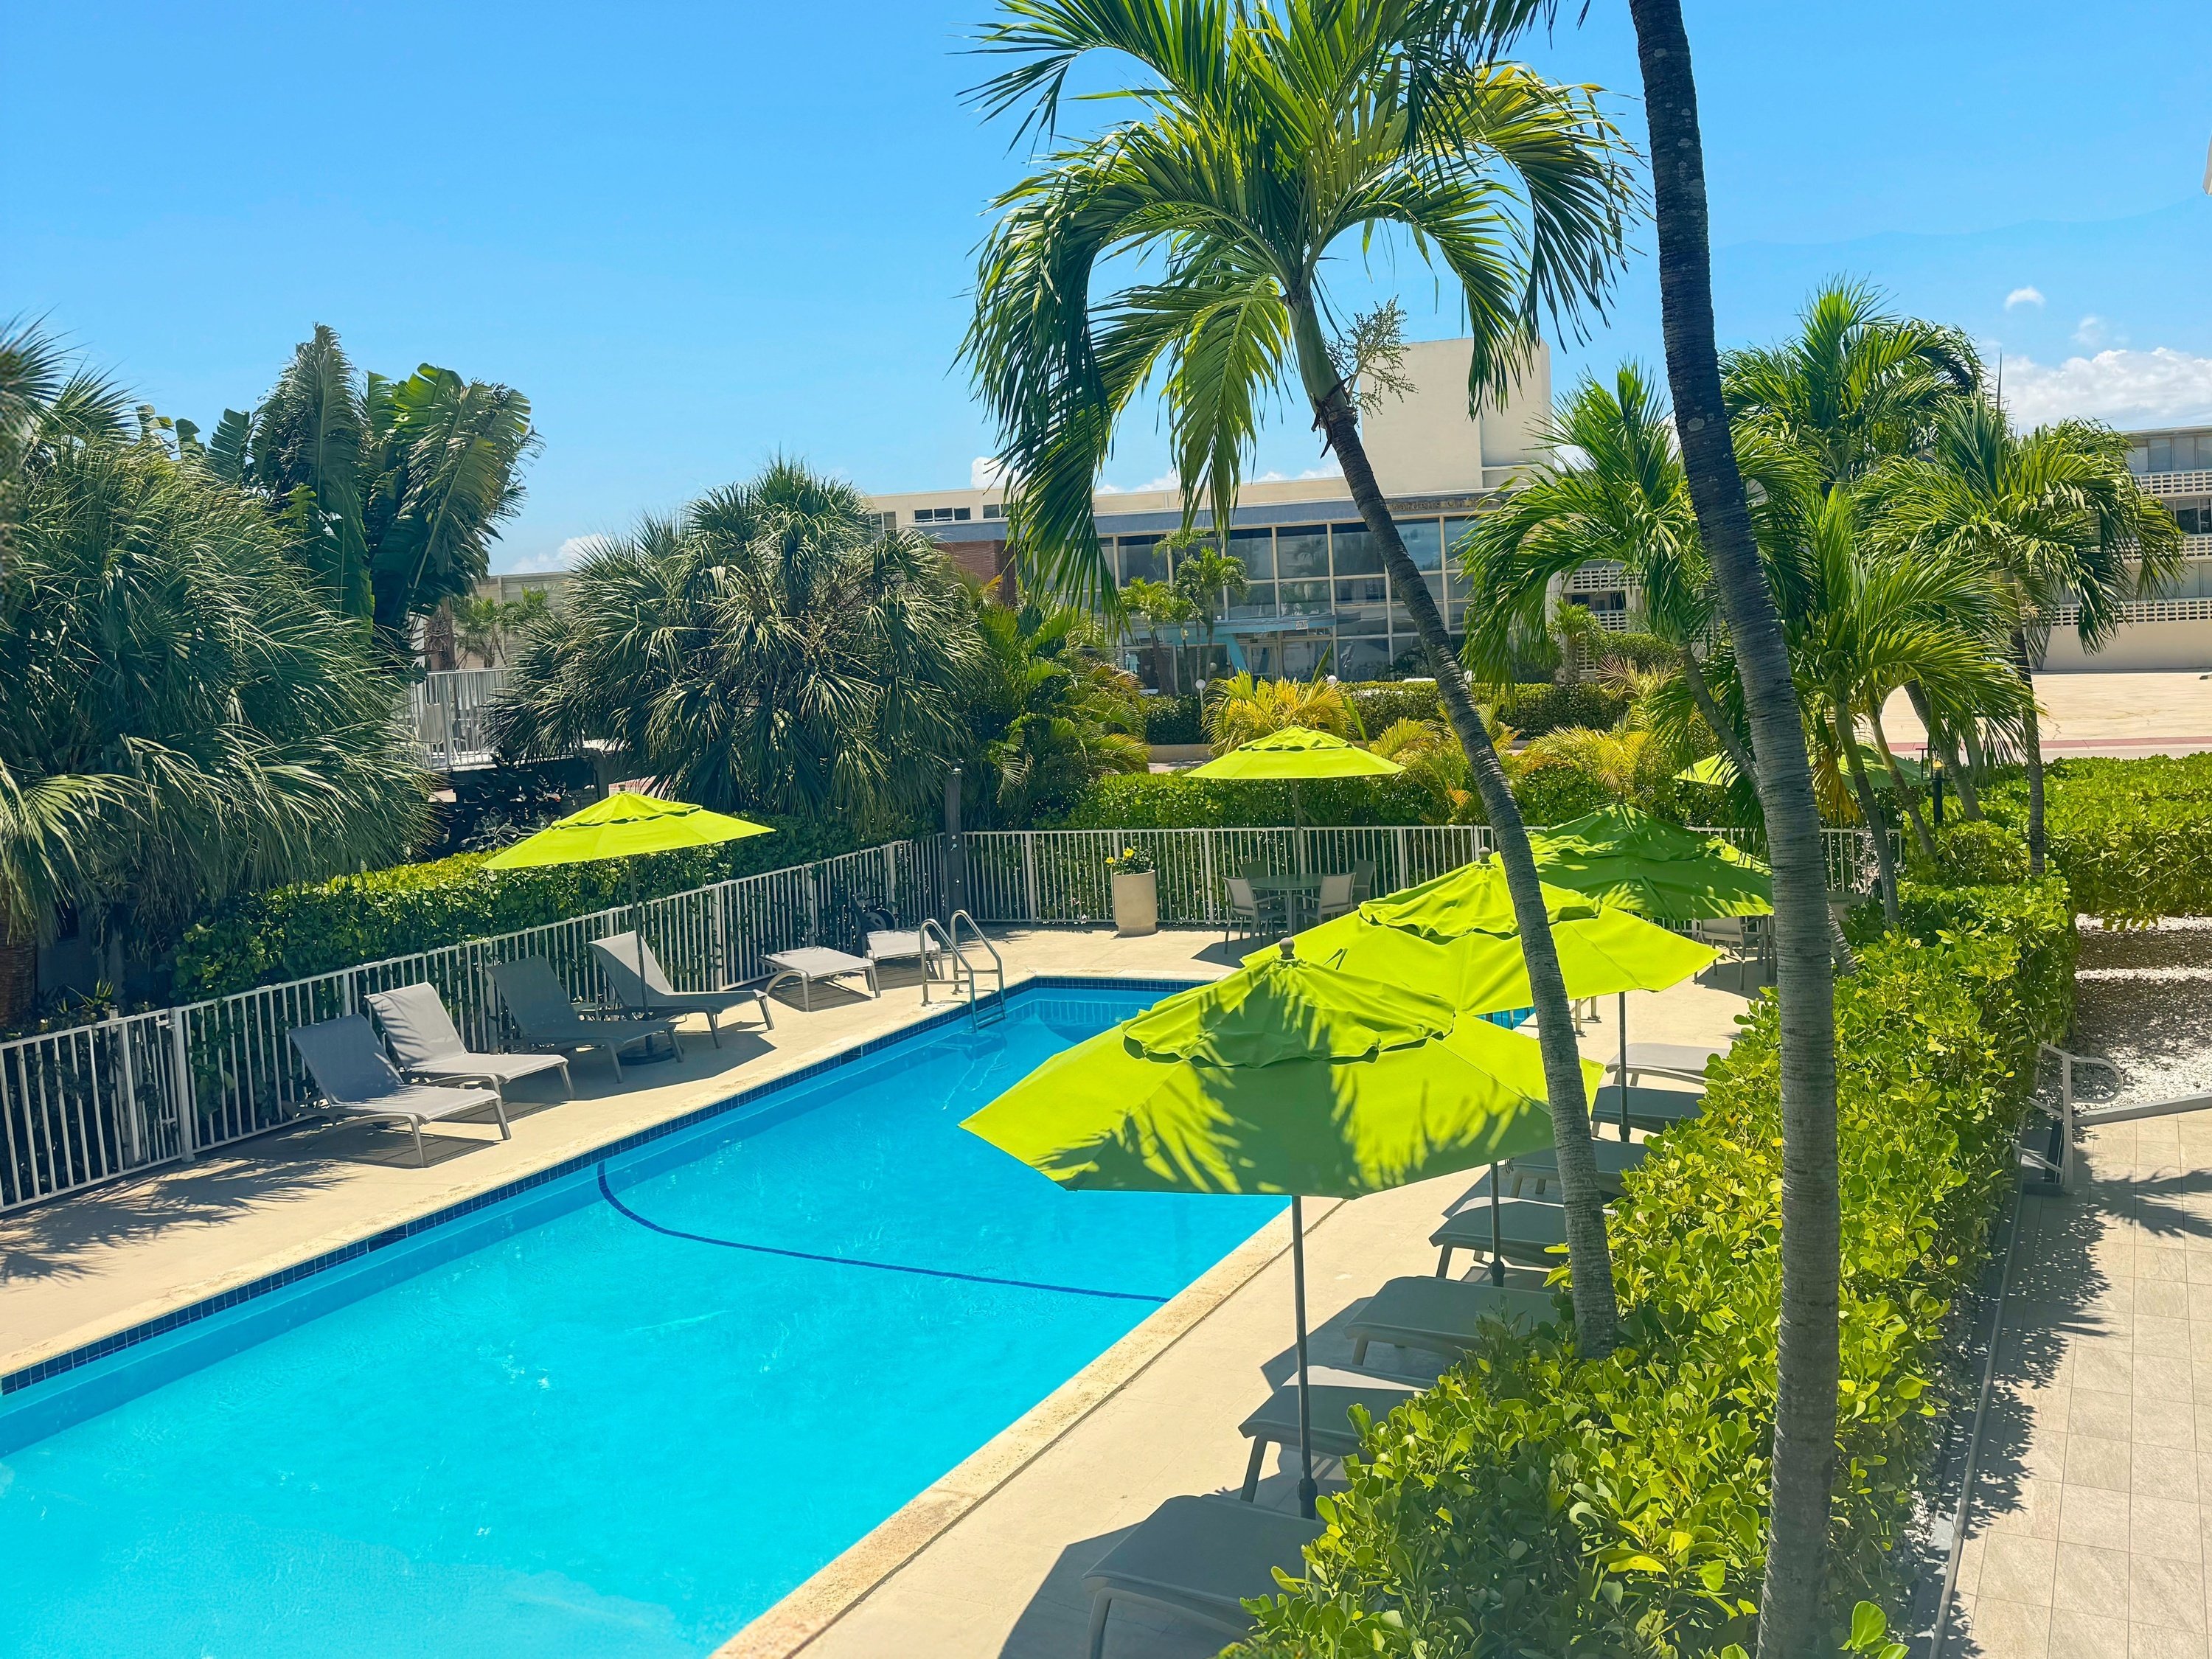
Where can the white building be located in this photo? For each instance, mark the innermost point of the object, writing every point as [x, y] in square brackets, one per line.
[2174, 630]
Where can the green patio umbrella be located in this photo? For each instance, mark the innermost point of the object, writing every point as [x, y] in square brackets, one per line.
[1457, 936]
[626, 824]
[1288, 1077]
[1636, 862]
[1292, 755]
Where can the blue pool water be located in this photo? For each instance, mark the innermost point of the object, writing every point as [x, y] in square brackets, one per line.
[571, 1425]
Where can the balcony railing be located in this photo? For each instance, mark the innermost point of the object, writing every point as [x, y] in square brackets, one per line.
[450, 711]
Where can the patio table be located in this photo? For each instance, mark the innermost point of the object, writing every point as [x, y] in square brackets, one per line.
[813, 961]
[1301, 895]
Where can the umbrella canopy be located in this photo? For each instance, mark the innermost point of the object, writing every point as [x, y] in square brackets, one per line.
[1296, 752]
[1637, 862]
[1288, 1077]
[1456, 937]
[622, 826]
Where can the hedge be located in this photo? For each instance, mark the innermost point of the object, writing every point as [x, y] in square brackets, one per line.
[1538, 1503]
[1531, 710]
[290, 932]
[2132, 837]
[1173, 720]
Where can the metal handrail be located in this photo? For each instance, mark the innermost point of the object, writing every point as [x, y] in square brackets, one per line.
[930, 931]
[998, 962]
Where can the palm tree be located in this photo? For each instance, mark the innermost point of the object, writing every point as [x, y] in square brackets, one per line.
[1242, 708]
[1054, 716]
[1624, 499]
[1158, 605]
[183, 720]
[2056, 515]
[394, 490]
[770, 650]
[1211, 581]
[1867, 622]
[1629, 763]
[1261, 142]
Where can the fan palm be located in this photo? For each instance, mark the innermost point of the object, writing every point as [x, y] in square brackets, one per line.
[184, 720]
[394, 490]
[2056, 514]
[1263, 139]
[771, 651]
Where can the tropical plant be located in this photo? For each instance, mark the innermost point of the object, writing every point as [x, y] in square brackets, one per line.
[1242, 708]
[393, 491]
[1631, 764]
[1158, 605]
[1054, 716]
[1210, 581]
[2056, 514]
[1262, 139]
[49, 397]
[771, 649]
[182, 719]
[486, 628]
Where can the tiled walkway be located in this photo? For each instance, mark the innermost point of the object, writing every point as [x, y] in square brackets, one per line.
[2092, 1526]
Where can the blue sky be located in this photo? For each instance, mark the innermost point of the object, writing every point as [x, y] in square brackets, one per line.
[700, 234]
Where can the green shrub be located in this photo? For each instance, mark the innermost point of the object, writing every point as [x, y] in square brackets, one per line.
[1531, 710]
[1538, 1503]
[1382, 703]
[2132, 837]
[290, 932]
[1173, 720]
[1978, 853]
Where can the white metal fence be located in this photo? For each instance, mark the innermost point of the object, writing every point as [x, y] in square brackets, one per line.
[86, 1104]
[1060, 876]
[450, 710]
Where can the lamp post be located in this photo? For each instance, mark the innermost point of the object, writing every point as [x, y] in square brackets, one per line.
[1935, 785]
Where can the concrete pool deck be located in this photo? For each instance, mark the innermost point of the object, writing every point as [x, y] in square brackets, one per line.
[990, 1557]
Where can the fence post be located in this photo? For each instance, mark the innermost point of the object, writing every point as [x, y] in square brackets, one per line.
[180, 1057]
[1029, 873]
[723, 973]
[891, 879]
[1405, 871]
[134, 1141]
[1213, 886]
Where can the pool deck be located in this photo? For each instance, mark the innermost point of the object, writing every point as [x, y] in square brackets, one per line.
[987, 1560]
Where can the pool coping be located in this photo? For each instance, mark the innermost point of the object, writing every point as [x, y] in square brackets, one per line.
[207, 1305]
[845, 1581]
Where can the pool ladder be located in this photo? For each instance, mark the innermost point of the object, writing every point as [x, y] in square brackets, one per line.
[947, 940]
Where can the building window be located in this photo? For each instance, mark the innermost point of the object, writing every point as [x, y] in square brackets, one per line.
[941, 515]
[882, 523]
[1141, 558]
[2180, 452]
[1302, 550]
[1256, 549]
[994, 510]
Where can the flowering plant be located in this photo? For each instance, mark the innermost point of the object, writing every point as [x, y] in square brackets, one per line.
[1132, 861]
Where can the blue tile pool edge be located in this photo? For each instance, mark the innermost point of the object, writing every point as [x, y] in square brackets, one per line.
[86, 1354]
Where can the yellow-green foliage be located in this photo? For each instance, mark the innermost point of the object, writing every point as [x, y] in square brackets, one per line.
[2132, 837]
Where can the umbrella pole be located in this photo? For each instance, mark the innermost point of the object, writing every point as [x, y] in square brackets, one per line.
[1621, 1077]
[1497, 1233]
[1305, 1410]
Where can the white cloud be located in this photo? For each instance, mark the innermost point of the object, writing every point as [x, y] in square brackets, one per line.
[986, 472]
[2094, 333]
[571, 552]
[1166, 481]
[2023, 296]
[2145, 388]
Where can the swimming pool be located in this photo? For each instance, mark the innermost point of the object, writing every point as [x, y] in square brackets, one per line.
[617, 1415]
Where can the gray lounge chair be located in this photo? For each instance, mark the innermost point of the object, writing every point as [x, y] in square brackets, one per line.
[1526, 1230]
[1615, 1158]
[1336, 1392]
[1648, 1108]
[357, 1079]
[1443, 1315]
[538, 1005]
[623, 955]
[1682, 1061]
[1200, 1557]
[423, 1039]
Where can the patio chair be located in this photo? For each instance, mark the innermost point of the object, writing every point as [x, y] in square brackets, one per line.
[1363, 881]
[1203, 1558]
[621, 955]
[1525, 1231]
[882, 940]
[356, 1078]
[423, 1039]
[1443, 1315]
[1337, 897]
[1334, 1434]
[1683, 1062]
[1249, 913]
[538, 1008]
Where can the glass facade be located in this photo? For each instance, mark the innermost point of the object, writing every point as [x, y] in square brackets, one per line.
[2176, 452]
[1317, 591]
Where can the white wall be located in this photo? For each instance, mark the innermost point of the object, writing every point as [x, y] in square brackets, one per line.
[1426, 443]
[2136, 648]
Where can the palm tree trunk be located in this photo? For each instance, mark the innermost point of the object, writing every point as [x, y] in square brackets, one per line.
[1807, 1364]
[1588, 1255]
[19, 978]
[2031, 750]
[1943, 741]
[1885, 861]
[1723, 728]
[1897, 782]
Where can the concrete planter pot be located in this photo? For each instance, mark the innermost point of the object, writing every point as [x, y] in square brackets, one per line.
[1137, 904]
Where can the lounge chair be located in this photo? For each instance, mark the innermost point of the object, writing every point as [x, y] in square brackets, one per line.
[622, 955]
[1615, 1159]
[357, 1079]
[882, 940]
[1685, 1062]
[1527, 1230]
[1336, 1392]
[1648, 1108]
[1200, 1557]
[423, 1039]
[1443, 1315]
[538, 1007]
